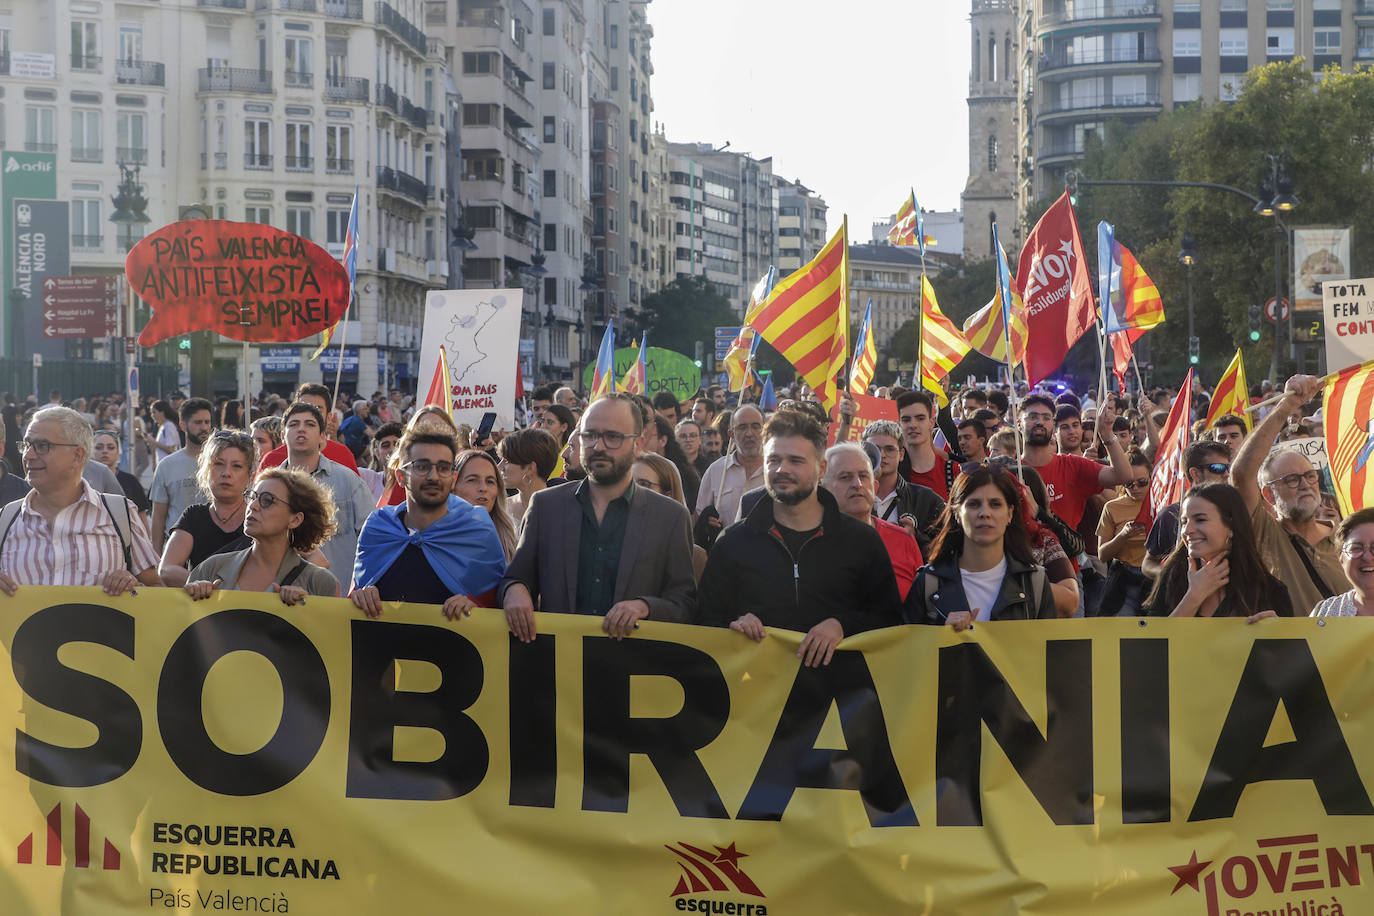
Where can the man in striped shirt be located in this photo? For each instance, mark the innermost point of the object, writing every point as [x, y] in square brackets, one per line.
[66, 533]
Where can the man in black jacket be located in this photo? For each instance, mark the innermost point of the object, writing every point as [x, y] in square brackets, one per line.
[795, 561]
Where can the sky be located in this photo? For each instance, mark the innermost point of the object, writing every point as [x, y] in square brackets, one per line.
[861, 100]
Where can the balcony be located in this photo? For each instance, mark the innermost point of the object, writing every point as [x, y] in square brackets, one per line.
[87, 154]
[140, 73]
[298, 79]
[406, 185]
[1058, 154]
[235, 79]
[417, 116]
[345, 89]
[86, 63]
[300, 163]
[37, 146]
[1103, 57]
[299, 6]
[338, 166]
[1095, 12]
[401, 27]
[1364, 8]
[223, 4]
[387, 98]
[343, 9]
[87, 242]
[259, 161]
[1140, 101]
[132, 155]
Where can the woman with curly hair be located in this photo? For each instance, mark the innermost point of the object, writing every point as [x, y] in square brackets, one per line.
[288, 514]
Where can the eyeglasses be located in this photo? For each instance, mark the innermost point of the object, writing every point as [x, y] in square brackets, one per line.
[1134, 484]
[41, 446]
[267, 499]
[423, 467]
[1038, 417]
[1293, 481]
[1216, 467]
[651, 484]
[608, 437]
[1357, 550]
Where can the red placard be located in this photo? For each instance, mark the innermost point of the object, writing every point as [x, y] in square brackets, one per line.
[867, 410]
[245, 281]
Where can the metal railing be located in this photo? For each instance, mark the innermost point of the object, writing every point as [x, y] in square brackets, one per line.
[343, 9]
[87, 242]
[1109, 9]
[140, 73]
[410, 186]
[89, 62]
[234, 79]
[339, 166]
[257, 160]
[137, 155]
[401, 27]
[1124, 100]
[299, 6]
[224, 4]
[300, 163]
[298, 79]
[1066, 58]
[87, 153]
[414, 114]
[387, 98]
[345, 88]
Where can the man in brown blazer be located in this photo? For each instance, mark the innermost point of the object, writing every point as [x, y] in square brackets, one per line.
[603, 546]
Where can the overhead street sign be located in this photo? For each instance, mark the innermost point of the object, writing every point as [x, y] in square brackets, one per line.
[82, 307]
[725, 337]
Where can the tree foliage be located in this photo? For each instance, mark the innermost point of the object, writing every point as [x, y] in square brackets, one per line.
[679, 315]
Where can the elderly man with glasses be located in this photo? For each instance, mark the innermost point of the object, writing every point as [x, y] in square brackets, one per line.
[435, 548]
[64, 532]
[603, 546]
[732, 475]
[1281, 482]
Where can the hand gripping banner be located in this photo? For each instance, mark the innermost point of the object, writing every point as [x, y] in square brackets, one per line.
[234, 755]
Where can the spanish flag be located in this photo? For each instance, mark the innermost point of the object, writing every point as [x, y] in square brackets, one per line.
[440, 392]
[1232, 394]
[1346, 408]
[806, 317]
[942, 345]
[865, 355]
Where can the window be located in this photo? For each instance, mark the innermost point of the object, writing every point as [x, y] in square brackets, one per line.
[1187, 87]
[479, 62]
[1234, 42]
[550, 183]
[257, 215]
[550, 76]
[550, 129]
[551, 298]
[1279, 42]
[1227, 88]
[615, 79]
[550, 236]
[131, 137]
[86, 136]
[87, 230]
[336, 226]
[301, 221]
[1326, 41]
[482, 115]
[549, 27]
[338, 149]
[335, 60]
[298, 62]
[1278, 4]
[615, 38]
[1187, 42]
[85, 45]
[130, 42]
[299, 156]
[1364, 43]
[257, 145]
[992, 154]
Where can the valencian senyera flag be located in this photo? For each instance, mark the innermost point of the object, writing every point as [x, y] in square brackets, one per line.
[806, 317]
[1346, 408]
[942, 344]
[636, 380]
[743, 348]
[865, 355]
[350, 262]
[985, 329]
[1232, 394]
[1127, 296]
[603, 376]
[909, 228]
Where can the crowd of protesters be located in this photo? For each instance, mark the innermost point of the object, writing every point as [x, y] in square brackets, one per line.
[979, 504]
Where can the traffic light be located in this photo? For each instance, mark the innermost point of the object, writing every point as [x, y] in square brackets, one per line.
[1254, 324]
[1193, 350]
[184, 343]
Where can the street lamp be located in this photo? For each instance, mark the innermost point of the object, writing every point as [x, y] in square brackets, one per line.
[1187, 256]
[535, 271]
[1275, 197]
[130, 209]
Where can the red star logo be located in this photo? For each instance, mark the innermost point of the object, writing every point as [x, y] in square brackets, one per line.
[730, 854]
[1188, 874]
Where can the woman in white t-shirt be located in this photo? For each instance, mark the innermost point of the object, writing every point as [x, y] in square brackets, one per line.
[981, 567]
[168, 438]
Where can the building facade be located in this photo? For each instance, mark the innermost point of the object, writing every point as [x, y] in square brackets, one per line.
[994, 118]
[890, 276]
[802, 229]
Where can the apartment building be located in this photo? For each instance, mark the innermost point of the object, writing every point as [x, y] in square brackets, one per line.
[802, 230]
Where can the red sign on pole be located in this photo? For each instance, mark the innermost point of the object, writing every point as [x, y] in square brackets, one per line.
[83, 307]
[245, 281]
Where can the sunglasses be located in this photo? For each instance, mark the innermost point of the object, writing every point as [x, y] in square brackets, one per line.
[1216, 467]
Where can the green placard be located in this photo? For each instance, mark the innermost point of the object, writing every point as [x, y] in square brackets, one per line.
[28, 175]
[668, 371]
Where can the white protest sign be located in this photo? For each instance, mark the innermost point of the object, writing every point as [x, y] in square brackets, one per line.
[480, 332]
[1348, 316]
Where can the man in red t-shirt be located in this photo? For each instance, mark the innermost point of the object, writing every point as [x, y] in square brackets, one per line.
[1070, 480]
[337, 452]
[923, 463]
[849, 478]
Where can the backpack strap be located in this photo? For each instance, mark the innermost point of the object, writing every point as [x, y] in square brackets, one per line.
[123, 526]
[293, 575]
[8, 515]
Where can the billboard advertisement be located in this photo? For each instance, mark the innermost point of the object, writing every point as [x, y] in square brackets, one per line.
[1320, 254]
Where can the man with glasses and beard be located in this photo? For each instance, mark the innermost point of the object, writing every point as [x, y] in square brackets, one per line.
[1299, 549]
[435, 548]
[796, 561]
[1070, 480]
[603, 546]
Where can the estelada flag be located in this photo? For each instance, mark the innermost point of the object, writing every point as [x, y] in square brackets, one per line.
[1350, 435]
[1168, 478]
[806, 317]
[1232, 394]
[1056, 287]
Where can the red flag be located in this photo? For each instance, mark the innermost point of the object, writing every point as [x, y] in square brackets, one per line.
[1169, 478]
[1123, 347]
[519, 381]
[1057, 289]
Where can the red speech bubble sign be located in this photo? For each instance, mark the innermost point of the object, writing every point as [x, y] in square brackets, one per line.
[245, 281]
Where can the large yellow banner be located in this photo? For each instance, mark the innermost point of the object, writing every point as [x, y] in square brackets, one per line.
[234, 755]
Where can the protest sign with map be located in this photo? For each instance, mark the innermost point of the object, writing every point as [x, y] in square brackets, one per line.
[480, 331]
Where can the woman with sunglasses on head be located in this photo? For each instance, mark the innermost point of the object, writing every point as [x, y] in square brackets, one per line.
[287, 514]
[1216, 569]
[981, 567]
[223, 470]
[1356, 537]
[1121, 542]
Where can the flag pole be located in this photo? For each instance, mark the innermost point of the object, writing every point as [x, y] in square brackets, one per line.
[343, 338]
[1002, 294]
[1135, 365]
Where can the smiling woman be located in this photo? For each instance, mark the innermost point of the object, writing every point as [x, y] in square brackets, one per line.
[1356, 537]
